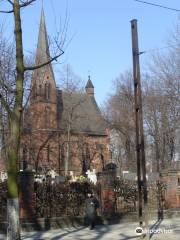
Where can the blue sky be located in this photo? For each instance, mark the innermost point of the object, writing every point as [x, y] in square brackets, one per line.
[101, 43]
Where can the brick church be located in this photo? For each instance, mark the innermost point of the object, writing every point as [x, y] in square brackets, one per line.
[62, 130]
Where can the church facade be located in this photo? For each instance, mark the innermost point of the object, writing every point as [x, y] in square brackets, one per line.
[63, 131]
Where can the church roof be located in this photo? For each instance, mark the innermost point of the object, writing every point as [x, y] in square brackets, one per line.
[81, 113]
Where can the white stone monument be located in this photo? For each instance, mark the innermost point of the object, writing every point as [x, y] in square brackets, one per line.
[91, 175]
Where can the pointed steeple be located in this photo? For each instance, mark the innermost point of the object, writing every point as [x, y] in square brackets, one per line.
[43, 81]
[42, 54]
[89, 87]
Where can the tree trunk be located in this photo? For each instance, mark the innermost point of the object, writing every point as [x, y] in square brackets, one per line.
[13, 230]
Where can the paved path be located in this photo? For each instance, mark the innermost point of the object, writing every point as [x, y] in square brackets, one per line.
[169, 228]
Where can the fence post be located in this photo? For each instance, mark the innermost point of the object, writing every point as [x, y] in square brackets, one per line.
[26, 195]
[108, 195]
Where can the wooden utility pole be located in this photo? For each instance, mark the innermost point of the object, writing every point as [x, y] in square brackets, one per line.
[141, 161]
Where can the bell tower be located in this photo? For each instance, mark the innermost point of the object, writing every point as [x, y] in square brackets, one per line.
[43, 97]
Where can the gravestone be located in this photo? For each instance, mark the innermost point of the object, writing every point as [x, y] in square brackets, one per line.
[91, 175]
[60, 179]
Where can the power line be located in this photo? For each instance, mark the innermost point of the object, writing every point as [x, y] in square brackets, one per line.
[157, 49]
[157, 5]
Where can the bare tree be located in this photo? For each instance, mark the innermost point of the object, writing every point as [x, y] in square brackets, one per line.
[15, 114]
[71, 84]
[161, 91]
[7, 80]
[69, 80]
[119, 112]
[162, 101]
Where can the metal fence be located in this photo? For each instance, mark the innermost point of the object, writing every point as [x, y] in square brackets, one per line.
[68, 199]
[127, 196]
[3, 201]
[58, 199]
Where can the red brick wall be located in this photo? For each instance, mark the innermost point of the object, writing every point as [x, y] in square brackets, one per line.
[38, 142]
[172, 195]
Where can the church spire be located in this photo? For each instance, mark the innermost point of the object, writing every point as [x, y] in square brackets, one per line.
[42, 54]
[43, 81]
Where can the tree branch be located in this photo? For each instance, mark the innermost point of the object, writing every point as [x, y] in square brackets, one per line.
[26, 3]
[21, 6]
[10, 11]
[43, 64]
[5, 104]
[41, 147]
[10, 2]
[6, 87]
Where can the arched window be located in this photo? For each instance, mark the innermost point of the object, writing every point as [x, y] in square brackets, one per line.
[40, 90]
[47, 117]
[47, 89]
[24, 158]
[34, 90]
[85, 159]
[48, 153]
[84, 168]
[102, 160]
[62, 156]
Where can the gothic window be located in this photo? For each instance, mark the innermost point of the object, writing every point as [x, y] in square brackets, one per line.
[62, 156]
[128, 146]
[85, 159]
[40, 90]
[47, 117]
[48, 153]
[47, 90]
[25, 156]
[24, 153]
[102, 160]
[84, 169]
[34, 91]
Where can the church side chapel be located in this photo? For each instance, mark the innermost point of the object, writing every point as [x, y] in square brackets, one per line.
[62, 131]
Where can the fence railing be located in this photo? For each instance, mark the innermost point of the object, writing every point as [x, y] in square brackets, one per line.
[58, 199]
[127, 195]
[68, 199]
